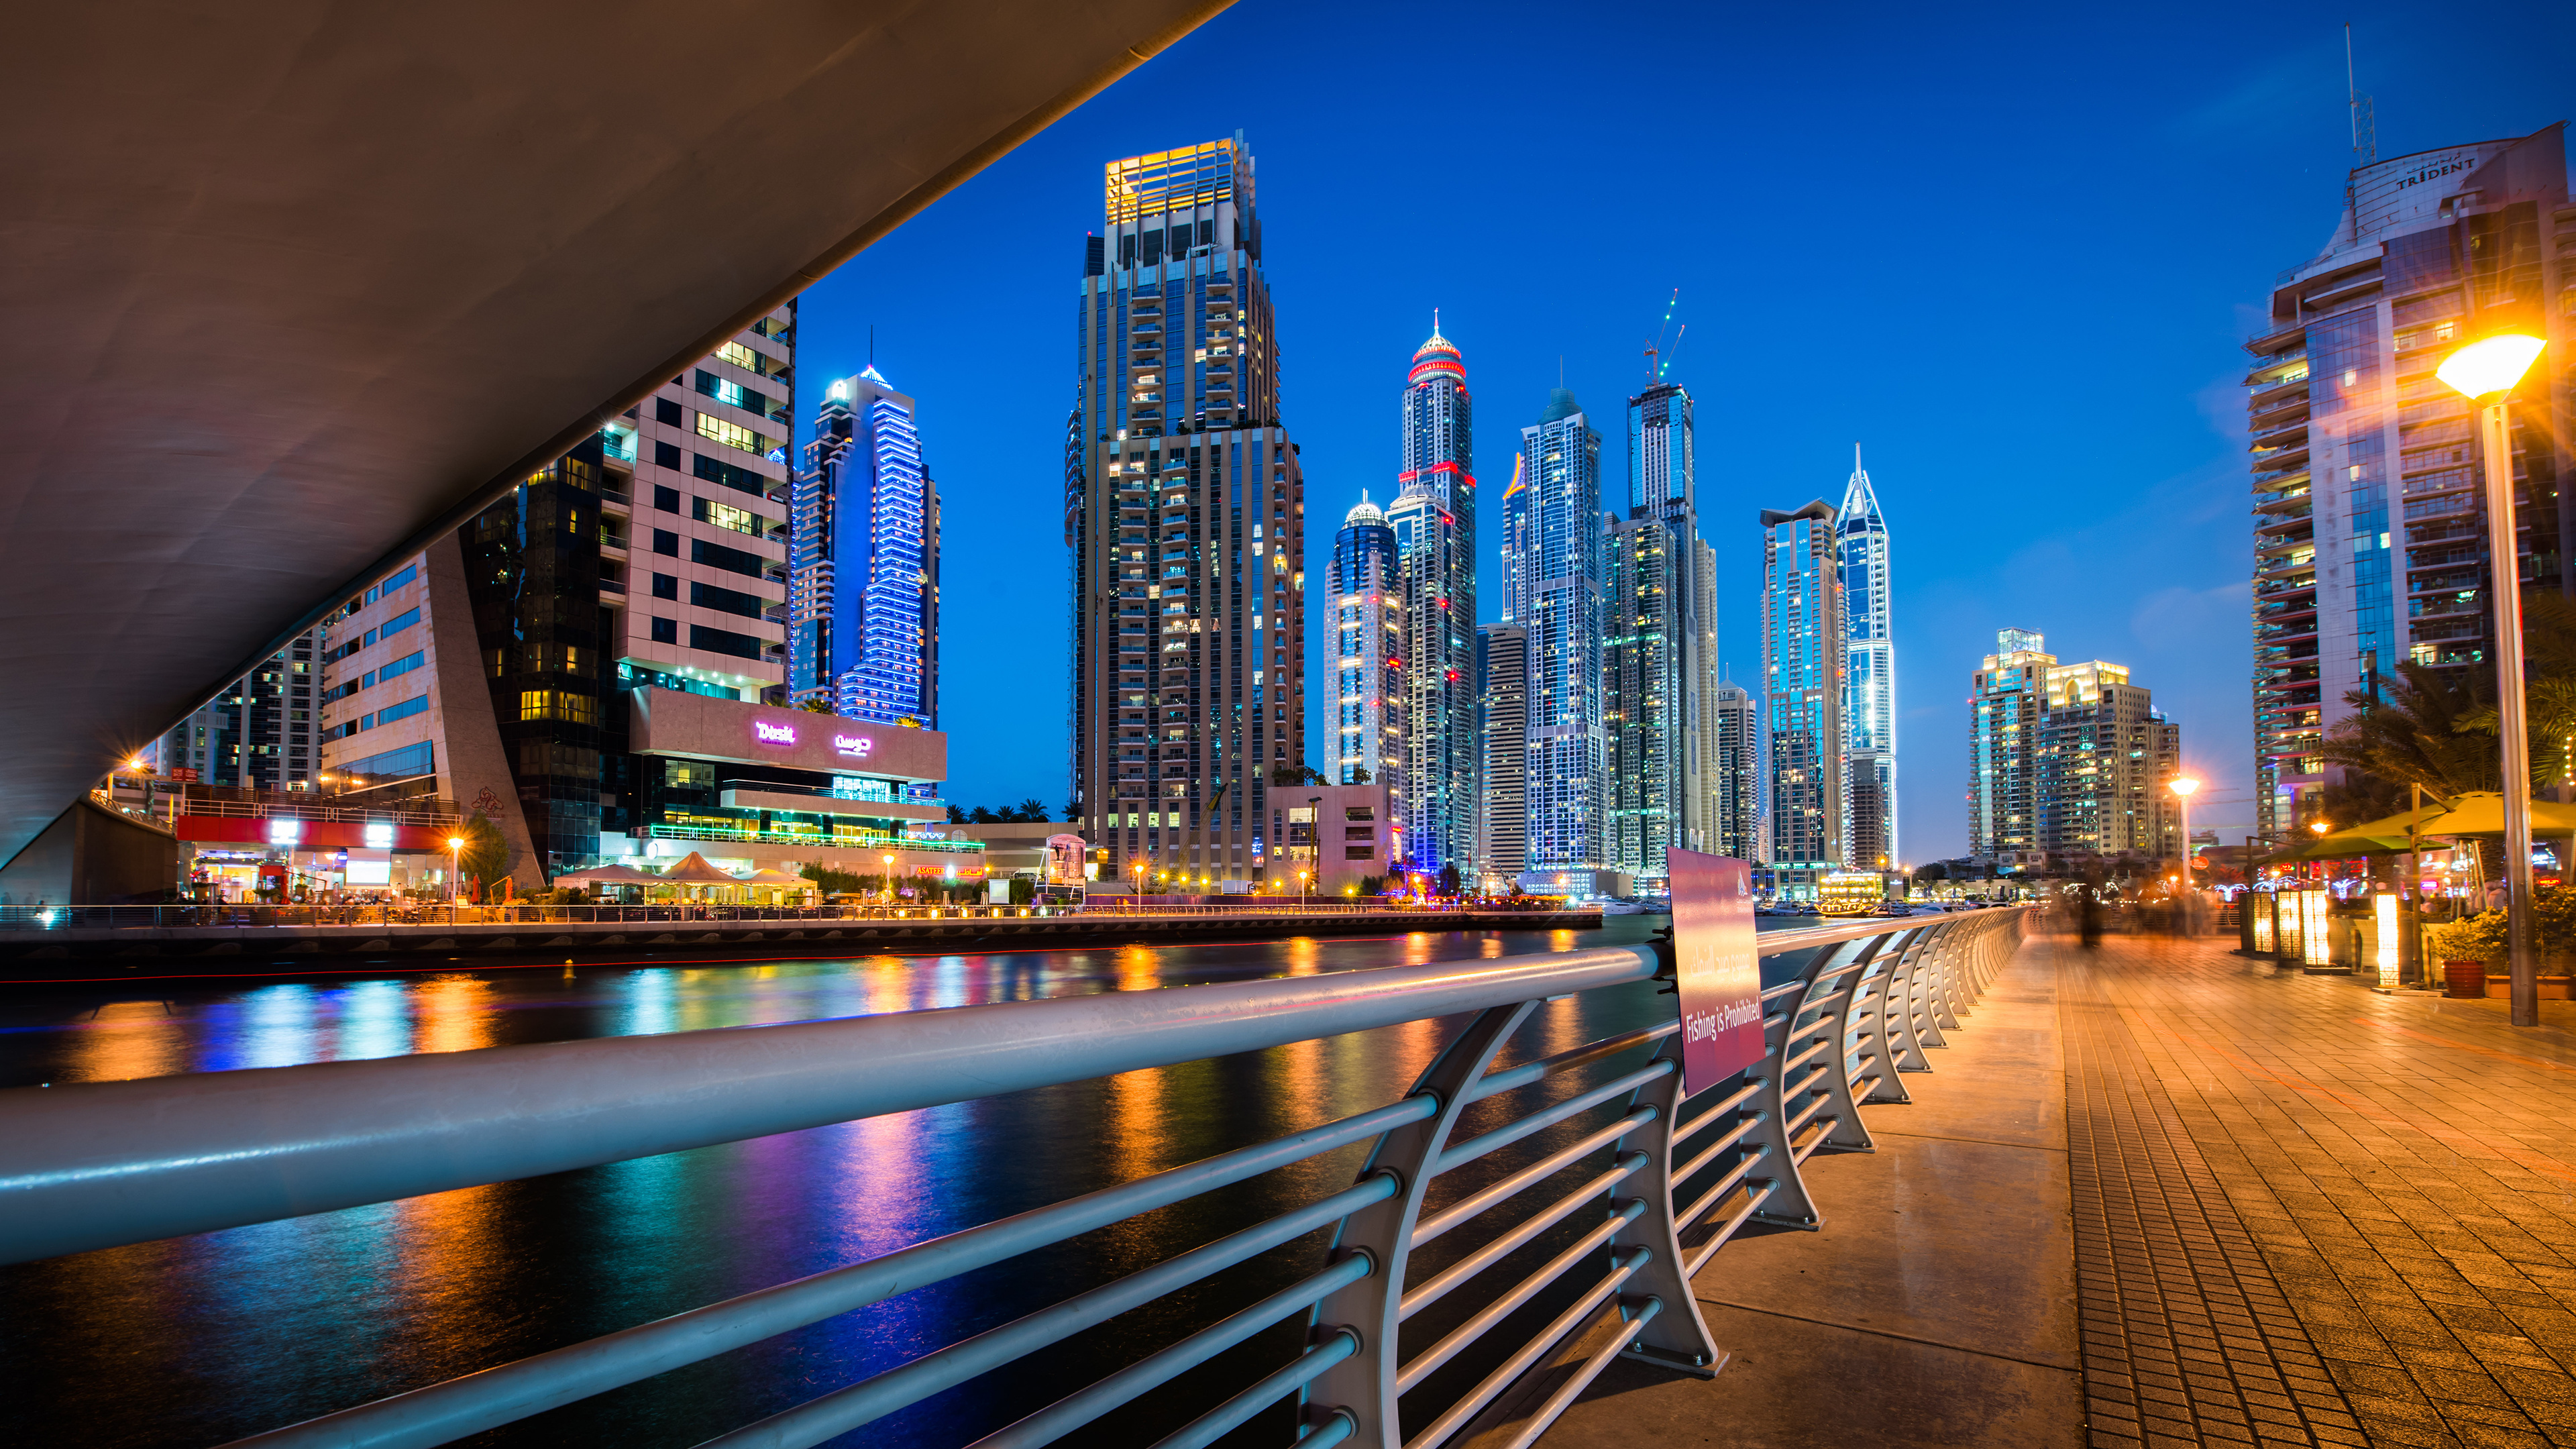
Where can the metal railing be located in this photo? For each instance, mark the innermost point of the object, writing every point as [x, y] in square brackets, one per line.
[408, 912]
[1600, 1142]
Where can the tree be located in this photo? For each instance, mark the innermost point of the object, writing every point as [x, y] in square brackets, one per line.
[957, 815]
[1033, 810]
[981, 816]
[486, 857]
[1449, 880]
[1290, 775]
[1359, 775]
[816, 705]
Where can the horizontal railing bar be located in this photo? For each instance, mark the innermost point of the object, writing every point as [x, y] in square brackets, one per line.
[1558, 1401]
[875, 1397]
[452, 1410]
[1456, 1340]
[1717, 1191]
[1546, 1167]
[1539, 1121]
[1725, 1140]
[1336, 1430]
[1075, 1410]
[1804, 1115]
[99, 1164]
[1699, 1124]
[1800, 1152]
[1622, 1269]
[1528, 1072]
[1800, 1060]
[1753, 1200]
[1434, 1289]
[1213, 1425]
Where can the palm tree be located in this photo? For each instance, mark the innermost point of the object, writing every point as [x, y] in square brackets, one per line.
[2418, 732]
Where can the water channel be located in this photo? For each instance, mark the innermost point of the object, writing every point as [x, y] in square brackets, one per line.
[198, 1340]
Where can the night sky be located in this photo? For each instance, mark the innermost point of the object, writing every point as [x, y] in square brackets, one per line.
[2012, 254]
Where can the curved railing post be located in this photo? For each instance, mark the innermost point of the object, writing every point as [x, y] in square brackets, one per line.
[1362, 1387]
[1677, 1337]
[1849, 1133]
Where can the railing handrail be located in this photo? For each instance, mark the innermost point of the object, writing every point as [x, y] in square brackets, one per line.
[96, 1164]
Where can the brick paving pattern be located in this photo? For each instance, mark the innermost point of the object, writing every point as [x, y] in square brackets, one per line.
[2309, 1214]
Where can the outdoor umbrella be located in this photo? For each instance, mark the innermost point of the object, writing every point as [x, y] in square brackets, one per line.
[772, 876]
[2481, 812]
[693, 869]
[607, 875]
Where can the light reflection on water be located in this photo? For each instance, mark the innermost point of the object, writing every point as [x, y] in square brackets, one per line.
[228, 1333]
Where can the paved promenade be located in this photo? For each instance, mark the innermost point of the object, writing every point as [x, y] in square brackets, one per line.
[2161, 1195]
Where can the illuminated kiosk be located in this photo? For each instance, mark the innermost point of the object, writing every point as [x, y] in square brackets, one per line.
[1850, 892]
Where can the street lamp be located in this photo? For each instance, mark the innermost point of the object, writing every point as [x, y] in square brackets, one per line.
[889, 882]
[2485, 372]
[455, 868]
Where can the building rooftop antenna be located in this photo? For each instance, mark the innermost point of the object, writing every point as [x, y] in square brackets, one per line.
[1655, 349]
[2365, 130]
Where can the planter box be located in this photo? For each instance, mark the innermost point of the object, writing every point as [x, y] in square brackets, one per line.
[2552, 988]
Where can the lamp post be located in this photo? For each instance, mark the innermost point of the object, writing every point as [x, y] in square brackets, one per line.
[2183, 786]
[889, 882]
[455, 868]
[2484, 372]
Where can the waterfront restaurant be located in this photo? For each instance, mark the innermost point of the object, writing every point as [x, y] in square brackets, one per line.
[759, 787]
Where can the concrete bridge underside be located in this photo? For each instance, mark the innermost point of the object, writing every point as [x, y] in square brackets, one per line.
[294, 288]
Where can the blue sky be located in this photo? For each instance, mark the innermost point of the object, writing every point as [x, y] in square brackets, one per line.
[2011, 253]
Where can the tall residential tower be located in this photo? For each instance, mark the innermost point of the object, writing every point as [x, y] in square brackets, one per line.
[1561, 591]
[2369, 526]
[1434, 518]
[1185, 514]
[1805, 767]
[1660, 645]
[1869, 676]
[1368, 648]
[863, 590]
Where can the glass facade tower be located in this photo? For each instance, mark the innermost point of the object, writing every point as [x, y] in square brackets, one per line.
[1434, 518]
[1660, 645]
[1869, 675]
[1185, 518]
[1368, 645]
[1805, 765]
[863, 595]
[2370, 535]
[1502, 819]
[1561, 589]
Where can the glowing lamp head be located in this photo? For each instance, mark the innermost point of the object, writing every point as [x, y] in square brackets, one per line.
[456, 842]
[2319, 826]
[2185, 785]
[2489, 365]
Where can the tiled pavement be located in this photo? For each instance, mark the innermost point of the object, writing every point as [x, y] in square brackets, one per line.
[2282, 1209]
[2307, 1213]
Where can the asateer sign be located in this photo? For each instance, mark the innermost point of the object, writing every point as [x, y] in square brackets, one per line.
[1719, 973]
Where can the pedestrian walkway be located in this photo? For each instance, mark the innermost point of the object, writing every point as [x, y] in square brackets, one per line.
[2158, 1194]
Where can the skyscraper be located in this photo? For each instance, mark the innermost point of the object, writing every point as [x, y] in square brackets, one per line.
[1434, 518]
[263, 733]
[2007, 698]
[1660, 644]
[1368, 640]
[1869, 675]
[1502, 673]
[1736, 769]
[1645, 695]
[1562, 591]
[863, 592]
[2369, 527]
[1805, 768]
[2068, 762]
[1185, 511]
